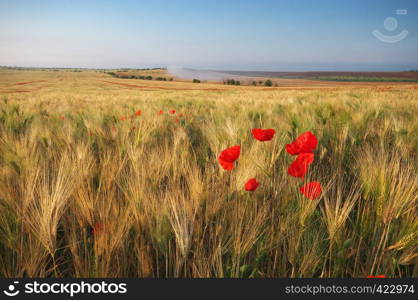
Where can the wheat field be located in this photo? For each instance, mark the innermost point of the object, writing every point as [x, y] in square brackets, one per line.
[95, 181]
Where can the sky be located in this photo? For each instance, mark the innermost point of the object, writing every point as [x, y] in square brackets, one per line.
[269, 35]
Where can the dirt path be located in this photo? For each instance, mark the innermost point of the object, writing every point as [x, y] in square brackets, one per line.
[28, 82]
[8, 89]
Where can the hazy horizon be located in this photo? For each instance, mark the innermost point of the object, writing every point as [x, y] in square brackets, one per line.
[322, 68]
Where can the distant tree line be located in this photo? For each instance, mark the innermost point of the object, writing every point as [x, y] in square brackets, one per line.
[232, 82]
[144, 69]
[142, 77]
[268, 82]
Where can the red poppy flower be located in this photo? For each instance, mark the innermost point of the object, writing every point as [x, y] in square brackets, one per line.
[98, 228]
[177, 120]
[251, 185]
[376, 276]
[138, 113]
[306, 142]
[160, 112]
[229, 156]
[123, 118]
[300, 165]
[311, 190]
[173, 111]
[263, 134]
[226, 164]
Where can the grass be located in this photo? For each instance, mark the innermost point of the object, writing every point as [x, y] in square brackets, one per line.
[85, 194]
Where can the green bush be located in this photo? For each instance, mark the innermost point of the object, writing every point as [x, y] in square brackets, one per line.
[232, 82]
[268, 83]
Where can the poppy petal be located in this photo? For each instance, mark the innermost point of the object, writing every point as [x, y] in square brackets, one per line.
[251, 185]
[299, 167]
[230, 154]
[311, 190]
[305, 143]
[226, 164]
[263, 134]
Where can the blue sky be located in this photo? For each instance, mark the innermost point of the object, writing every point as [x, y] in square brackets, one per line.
[246, 35]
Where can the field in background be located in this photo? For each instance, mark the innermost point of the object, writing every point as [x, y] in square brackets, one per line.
[91, 187]
[405, 76]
